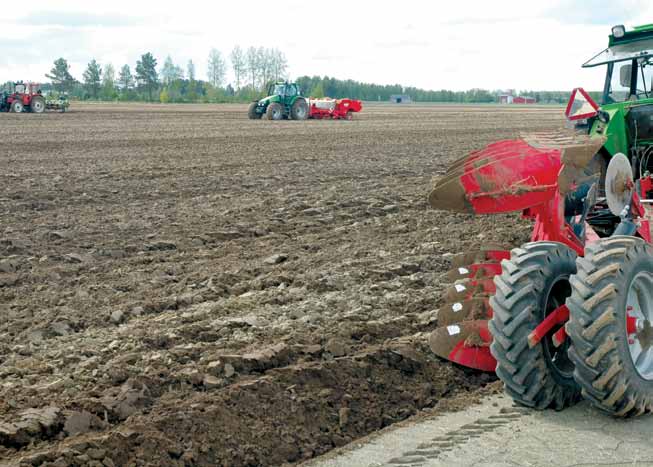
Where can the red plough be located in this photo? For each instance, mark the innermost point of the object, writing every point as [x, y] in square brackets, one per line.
[531, 175]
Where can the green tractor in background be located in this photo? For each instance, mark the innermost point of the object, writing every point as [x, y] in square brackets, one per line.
[284, 100]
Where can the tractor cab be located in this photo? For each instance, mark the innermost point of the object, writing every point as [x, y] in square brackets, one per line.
[20, 88]
[629, 60]
[625, 116]
[29, 88]
[284, 90]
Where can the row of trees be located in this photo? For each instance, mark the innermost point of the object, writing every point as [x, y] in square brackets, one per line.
[103, 83]
[324, 86]
[252, 68]
[331, 87]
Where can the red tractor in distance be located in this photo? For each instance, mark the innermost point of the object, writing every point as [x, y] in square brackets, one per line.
[25, 97]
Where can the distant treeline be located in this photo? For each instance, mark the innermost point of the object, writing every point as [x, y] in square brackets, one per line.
[317, 86]
[331, 87]
[252, 69]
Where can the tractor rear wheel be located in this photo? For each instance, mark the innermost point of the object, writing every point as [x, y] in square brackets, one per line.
[534, 283]
[299, 110]
[610, 326]
[37, 105]
[17, 107]
[274, 111]
[252, 113]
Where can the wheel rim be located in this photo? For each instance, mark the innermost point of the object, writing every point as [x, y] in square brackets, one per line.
[557, 356]
[639, 315]
[38, 106]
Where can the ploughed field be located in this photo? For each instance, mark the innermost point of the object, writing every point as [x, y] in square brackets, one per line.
[180, 285]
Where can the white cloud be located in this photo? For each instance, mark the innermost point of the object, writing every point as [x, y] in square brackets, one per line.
[76, 19]
[597, 12]
[439, 44]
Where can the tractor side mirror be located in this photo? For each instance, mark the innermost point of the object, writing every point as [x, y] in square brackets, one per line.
[625, 73]
[581, 106]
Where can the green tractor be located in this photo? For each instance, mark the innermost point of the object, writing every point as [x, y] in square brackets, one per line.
[284, 101]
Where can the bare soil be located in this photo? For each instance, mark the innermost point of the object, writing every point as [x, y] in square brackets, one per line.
[182, 286]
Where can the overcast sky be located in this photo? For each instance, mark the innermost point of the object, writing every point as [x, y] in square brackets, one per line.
[452, 44]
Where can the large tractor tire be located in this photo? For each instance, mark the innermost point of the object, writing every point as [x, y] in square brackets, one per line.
[17, 107]
[251, 111]
[534, 282]
[274, 111]
[37, 105]
[611, 311]
[299, 110]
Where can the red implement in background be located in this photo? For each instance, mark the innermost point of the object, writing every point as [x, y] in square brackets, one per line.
[333, 108]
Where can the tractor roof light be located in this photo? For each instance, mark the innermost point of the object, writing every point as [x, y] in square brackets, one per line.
[619, 31]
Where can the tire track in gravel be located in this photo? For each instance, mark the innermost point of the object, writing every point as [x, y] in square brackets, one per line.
[454, 439]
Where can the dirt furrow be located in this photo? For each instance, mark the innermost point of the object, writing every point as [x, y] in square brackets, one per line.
[179, 284]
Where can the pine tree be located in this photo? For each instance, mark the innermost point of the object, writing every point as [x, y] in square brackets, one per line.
[146, 74]
[125, 78]
[93, 78]
[60, 75]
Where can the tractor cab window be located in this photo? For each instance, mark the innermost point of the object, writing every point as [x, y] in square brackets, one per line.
[619, 82]
[644, 77]
[622, 79]
[290, 91]
[630, 69]
[20, 88]
[279, 90]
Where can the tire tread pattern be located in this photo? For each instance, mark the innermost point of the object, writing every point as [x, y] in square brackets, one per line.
[594, 329]
[524, 371]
